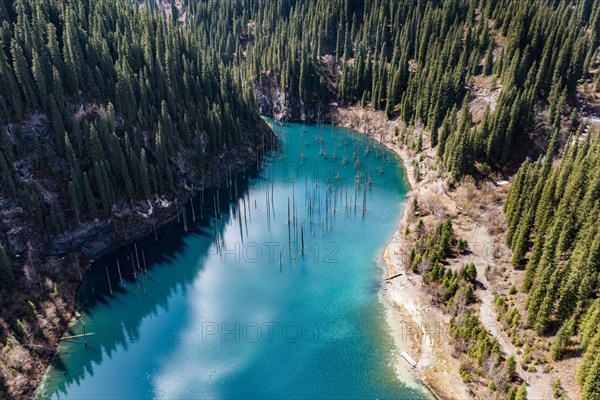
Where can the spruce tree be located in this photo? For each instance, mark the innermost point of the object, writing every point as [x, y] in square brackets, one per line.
[6, 274]
[521, 392]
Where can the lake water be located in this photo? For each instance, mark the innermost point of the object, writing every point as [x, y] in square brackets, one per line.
[253, 304]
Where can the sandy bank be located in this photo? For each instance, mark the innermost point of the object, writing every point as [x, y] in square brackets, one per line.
[416, 326]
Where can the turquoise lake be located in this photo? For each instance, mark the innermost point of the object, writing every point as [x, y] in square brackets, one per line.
[260, 302]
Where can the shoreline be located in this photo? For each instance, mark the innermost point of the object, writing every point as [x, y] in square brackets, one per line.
[407, 324]
[416, 326]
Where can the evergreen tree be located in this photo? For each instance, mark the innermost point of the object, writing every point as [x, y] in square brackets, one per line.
[591, 387]
[6, 274]
[560, 341]
[521, 392]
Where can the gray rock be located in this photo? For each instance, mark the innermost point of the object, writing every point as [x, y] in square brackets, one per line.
[91, 236]
[16, 244]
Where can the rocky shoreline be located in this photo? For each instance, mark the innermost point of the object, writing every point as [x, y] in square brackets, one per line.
[132, 222]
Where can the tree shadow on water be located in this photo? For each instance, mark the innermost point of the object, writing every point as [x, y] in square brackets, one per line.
[113, 320]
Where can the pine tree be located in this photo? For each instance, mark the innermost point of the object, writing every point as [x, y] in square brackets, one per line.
[6, 274]
[591, 387]
[89, 197]
[22, 72]
[144, 175]
[75, 205]
[511, 368]
[488, 63]
[590, 324]
[561, 339]
[521, 392]
[40, 80]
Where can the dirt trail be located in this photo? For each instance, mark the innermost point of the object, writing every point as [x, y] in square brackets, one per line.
[483, 246]
[481, 254]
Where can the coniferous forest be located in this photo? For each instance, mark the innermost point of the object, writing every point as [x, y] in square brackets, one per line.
[102, 102]
[114, 111]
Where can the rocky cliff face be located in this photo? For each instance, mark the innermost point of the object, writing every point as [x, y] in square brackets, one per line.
[128, 221]
[279, 104]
